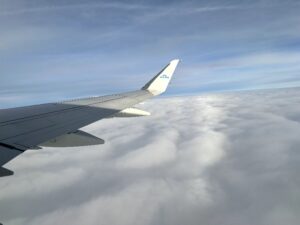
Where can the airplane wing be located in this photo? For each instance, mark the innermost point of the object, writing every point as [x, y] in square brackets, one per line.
[58, 124]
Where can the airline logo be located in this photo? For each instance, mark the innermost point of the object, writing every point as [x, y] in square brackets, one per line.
[164, 76]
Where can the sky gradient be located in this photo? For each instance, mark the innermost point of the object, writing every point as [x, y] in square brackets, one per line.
[219, 158]
[54, 50]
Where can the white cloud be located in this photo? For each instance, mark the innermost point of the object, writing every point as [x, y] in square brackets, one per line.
[250, 71]
[48, 8]
[47, 183]
[230, 158]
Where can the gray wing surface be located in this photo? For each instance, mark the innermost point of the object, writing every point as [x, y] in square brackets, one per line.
[29, 127]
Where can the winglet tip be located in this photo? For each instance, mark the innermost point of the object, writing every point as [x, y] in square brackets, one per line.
[175, 61]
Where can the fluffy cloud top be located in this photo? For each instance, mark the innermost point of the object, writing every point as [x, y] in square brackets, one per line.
[216, 159]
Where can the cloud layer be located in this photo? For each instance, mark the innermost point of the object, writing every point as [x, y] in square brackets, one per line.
[226, 158]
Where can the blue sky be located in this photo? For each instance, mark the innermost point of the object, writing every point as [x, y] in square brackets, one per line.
[53, 50]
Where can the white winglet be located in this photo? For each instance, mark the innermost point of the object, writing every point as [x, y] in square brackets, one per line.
[160, 82]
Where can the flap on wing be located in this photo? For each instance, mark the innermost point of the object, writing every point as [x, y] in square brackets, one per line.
[7, 153]
[76, 139]
[5, 172]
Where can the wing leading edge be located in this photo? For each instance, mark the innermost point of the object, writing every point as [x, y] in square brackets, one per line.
[58, 124]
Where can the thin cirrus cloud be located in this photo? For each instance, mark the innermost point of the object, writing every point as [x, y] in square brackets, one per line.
[83, 44]
[223, 157]
[62, 7]
[256, 71]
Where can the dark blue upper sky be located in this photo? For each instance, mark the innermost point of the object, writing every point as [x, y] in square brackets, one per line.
[52, 50]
